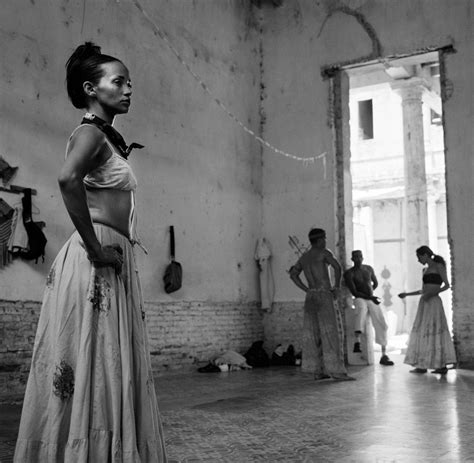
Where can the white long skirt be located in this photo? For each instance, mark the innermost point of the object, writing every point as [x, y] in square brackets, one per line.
[430, 344]
[90, 395]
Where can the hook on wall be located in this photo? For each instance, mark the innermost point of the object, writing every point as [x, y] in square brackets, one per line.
[16, 189]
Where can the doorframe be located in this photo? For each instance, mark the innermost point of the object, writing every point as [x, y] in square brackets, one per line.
[338, 80]
[339, 119]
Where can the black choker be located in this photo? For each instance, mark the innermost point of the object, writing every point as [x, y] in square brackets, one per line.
[113, 135]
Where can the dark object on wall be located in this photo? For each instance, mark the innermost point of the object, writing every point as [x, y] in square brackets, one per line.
[36, 239]
[256, 355]
[260, 3]
[173, 276]
[7, 172]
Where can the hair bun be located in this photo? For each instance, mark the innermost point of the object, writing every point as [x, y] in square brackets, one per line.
[82, 53]
[88, 49]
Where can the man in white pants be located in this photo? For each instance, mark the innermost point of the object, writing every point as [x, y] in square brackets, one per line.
[361, 281]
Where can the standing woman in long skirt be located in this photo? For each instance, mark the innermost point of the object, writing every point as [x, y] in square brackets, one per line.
[430, 344]
[90, 395]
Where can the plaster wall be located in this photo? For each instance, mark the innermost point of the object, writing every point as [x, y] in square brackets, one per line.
[303, 37]
[199, 171]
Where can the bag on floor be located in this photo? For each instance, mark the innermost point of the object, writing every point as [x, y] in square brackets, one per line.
[256, 355]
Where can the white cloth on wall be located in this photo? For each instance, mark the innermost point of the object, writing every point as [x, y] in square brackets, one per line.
[19, 237]
[263, 256]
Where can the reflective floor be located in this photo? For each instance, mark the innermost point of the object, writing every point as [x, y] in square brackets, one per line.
[282, 414]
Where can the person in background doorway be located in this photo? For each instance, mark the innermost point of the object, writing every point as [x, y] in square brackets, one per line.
[361, 282]
[322, 330]
[430, 344]
[90, 395]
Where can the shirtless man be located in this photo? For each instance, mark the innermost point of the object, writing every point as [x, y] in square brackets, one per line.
[361, 281]
[322, 327]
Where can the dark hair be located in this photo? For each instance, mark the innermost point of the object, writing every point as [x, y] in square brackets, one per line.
[426, 251]
[356, 251]
[315, 234]
[84, 65]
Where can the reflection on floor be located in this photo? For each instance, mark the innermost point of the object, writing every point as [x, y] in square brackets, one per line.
[282, 414]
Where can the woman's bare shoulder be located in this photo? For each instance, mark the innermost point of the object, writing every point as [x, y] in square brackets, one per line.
[86, 139]
[87, 133]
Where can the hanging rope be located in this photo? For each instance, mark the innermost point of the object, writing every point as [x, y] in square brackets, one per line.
[206, 89]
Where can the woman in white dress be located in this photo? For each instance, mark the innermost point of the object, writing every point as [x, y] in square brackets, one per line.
[430, 344]
[90, 395]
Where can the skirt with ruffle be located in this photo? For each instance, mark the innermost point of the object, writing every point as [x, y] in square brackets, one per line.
[430, 344]
[90, 395]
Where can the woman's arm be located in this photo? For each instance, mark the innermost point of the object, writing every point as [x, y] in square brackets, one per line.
[86, 153]
[295, 271]
[413, 293]
[444, 276]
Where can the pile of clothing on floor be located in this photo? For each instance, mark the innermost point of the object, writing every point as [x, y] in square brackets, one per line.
[255, 357]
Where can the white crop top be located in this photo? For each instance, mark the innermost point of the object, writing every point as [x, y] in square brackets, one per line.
[115, 174]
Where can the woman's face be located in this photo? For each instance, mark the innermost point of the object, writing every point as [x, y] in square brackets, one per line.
[422, 258]
[113, 92]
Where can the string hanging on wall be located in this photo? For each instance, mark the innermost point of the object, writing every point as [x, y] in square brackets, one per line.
[206, 89]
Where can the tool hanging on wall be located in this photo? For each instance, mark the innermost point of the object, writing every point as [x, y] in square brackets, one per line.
[174, 273]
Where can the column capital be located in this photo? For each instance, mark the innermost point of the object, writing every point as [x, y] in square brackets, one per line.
[410, 89]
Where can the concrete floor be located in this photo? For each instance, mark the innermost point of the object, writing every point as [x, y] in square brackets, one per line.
[282, 414]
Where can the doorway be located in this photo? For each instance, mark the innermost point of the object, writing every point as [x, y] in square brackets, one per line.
[397, 178]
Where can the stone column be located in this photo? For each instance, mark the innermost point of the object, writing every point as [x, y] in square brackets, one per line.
[416, 210]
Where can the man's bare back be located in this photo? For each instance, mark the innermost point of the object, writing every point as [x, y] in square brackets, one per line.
[322, 319]
[314, 264]
[315, 268]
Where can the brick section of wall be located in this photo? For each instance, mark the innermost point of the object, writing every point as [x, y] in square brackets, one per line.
[18, 321]
[184, 334]
[181, 335]
[283, 325]
[463, 336]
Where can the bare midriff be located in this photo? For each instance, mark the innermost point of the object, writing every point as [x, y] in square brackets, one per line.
[430, 289]
[113, 208]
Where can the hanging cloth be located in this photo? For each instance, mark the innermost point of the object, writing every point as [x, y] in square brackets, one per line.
[19, 239]
[263, 256]
[36, 239]
[6, 219]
